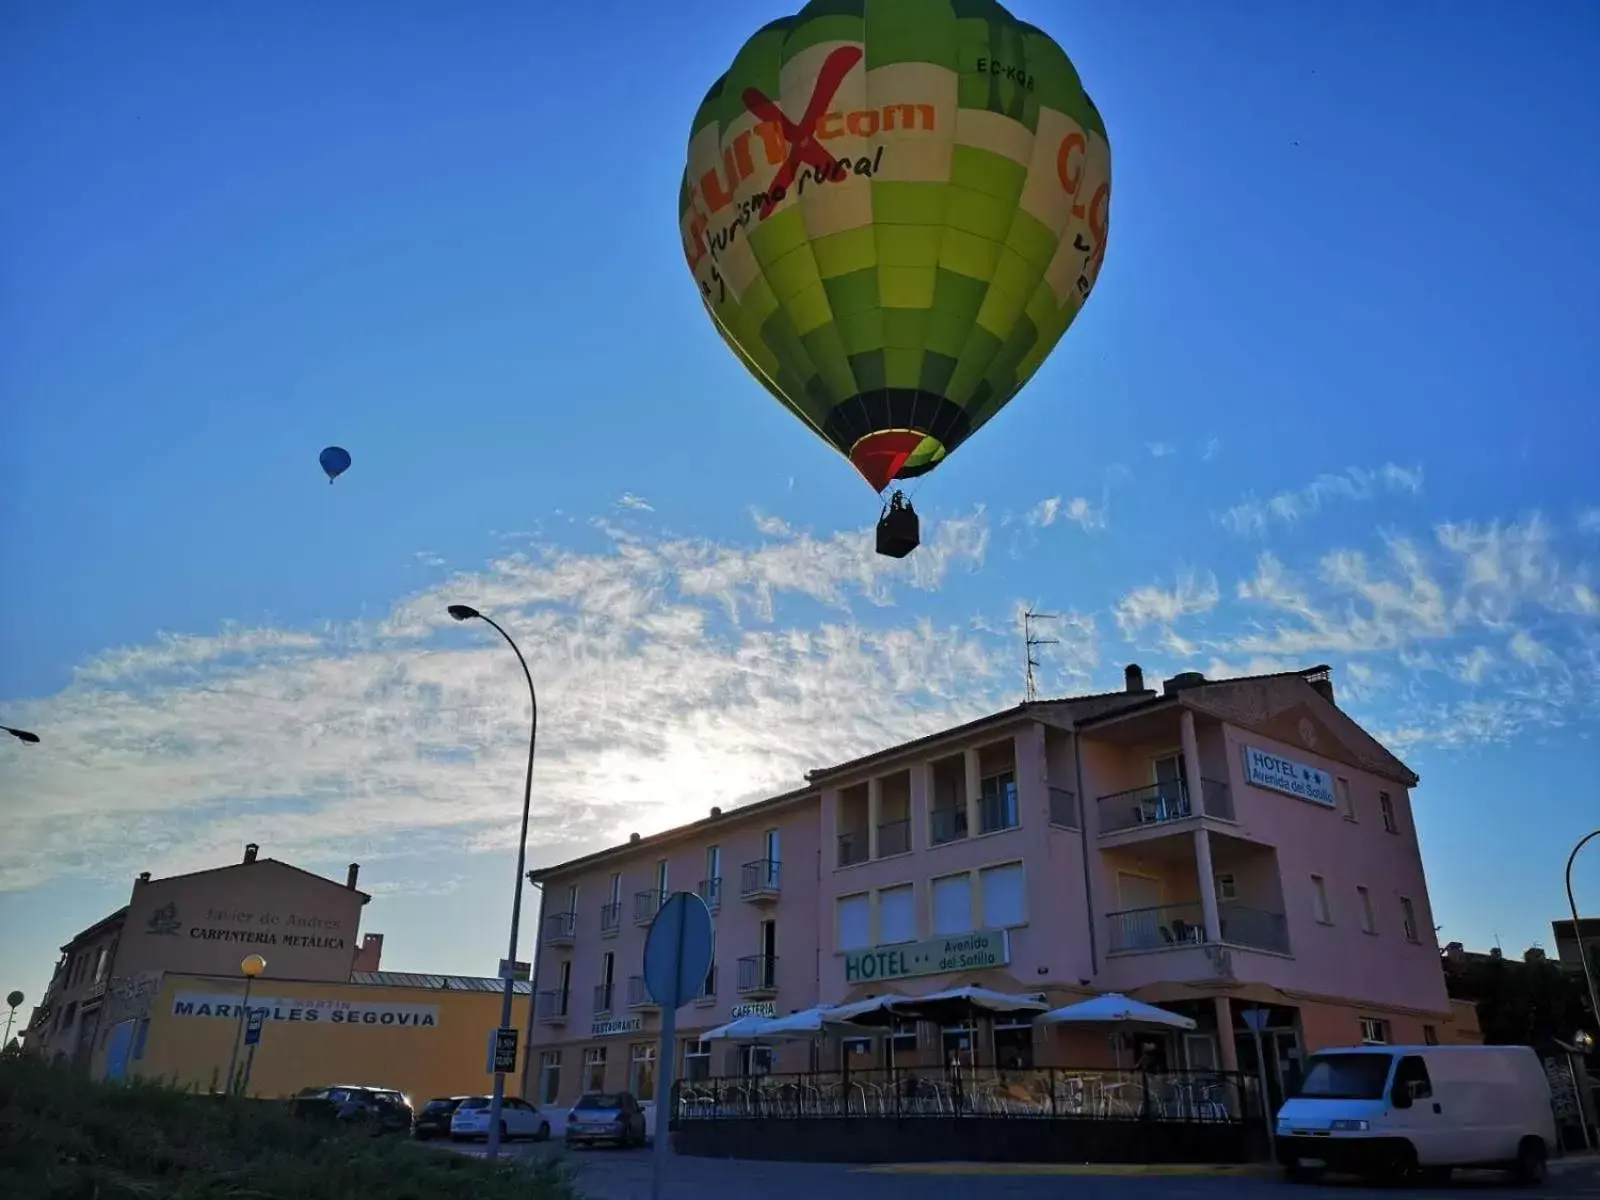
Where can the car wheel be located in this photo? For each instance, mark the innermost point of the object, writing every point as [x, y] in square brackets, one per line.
[544, 1131]
[1531, 1161]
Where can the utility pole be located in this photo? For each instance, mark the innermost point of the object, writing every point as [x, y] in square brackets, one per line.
[1030, 646]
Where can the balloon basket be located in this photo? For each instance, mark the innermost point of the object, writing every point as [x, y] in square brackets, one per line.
[899, 532]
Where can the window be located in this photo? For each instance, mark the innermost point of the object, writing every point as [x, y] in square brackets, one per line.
[998, 809]
[100, 964]
[594, 1069]
[897, 915]
[854, 1048]
[642, 1072]
[1171, 777]
[572, 898]
[661, 877]
[1227, 887]
[712, 892]
[1004, 902]
[616, 887]
[1347, 804]
[1369, 923]
[549, 1076]
[855, 921]
[1411, 1076]
[696, 1061]
[1408, 919]
[564, 977]
[952, 904]
[1319, 900]
[1430, 1035]
[904, 1038]
[1374, 1031]
[770, 844]
[755, 1060]
[1386, 807]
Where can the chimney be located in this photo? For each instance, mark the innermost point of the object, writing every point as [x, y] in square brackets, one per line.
[715, 811]
[1494, 952]
[144, 876]
[369, 955]
[250, 852]
[1133, 674]
[1321, 679]
[1533, 954]
[632, 837]
[350, 876]
[1182, 680]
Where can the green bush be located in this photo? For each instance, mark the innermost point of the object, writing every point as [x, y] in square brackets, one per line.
[65, 1138]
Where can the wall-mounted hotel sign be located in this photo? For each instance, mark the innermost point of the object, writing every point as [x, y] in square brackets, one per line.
[1264, 769]
[962, 952]
[755, 1008]
[618, 1026]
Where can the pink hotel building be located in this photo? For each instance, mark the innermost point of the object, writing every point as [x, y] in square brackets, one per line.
[1211, 847]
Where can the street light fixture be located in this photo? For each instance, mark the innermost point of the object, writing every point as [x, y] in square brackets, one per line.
[13, 1002]
[250, 966]
[1577, 933]
[462, 612]
[22, 735]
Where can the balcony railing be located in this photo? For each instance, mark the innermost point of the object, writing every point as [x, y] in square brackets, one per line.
[711, 892]
[610, 917]
[646, 905]
[997, 812]
[894, 837]
[1064, 809]
[760, 880]
[1152, 804]
[551, 1007]
[852, 848]
[1169, 926]
[603, 995]
[947, 825]
[638, 994]
[559, 928]
[758, 974]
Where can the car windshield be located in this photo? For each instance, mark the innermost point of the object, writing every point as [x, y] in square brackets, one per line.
[601, 1100]
[1346, 1076]
[475, 1102]
[437, 1106]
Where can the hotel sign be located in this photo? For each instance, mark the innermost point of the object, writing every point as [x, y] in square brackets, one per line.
[755, 1008]
[964, 952]
[326, 1012]
[618, 1026]
[1278, 774]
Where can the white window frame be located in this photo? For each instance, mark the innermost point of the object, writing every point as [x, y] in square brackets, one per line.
[1391, 823]
[643, 1052]
[663, 873]
[1319, 900]
[549, 1067]
[1227, 886]
[695, 1049]
[616, 888]
[1408, 919]
[1369, 917]
[1345, 797]
[1374, 1031]
[594, 1056]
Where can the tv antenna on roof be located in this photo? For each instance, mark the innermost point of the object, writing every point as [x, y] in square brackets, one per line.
[1030, 645]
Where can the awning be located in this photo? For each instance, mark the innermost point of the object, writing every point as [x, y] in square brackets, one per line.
[955, 1004]
[1116, 1011]
[742, 1029]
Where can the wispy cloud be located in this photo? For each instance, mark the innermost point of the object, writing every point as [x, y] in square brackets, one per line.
[1588, 521]
[1252, 517]
[1211, 449]
[1160, 449]
[1162, 608]
[638, 503]
[1078, 509]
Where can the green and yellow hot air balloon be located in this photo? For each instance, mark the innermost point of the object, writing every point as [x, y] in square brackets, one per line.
[893, 210]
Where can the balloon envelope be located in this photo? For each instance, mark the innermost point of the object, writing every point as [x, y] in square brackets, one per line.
[335, 461]
[893, 210]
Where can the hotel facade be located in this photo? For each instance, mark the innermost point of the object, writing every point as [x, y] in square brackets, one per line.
[1208, 846]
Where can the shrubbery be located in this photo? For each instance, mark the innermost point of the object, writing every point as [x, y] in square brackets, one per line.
[65, 1138]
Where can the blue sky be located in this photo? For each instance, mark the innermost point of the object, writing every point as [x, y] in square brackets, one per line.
[1332, 400]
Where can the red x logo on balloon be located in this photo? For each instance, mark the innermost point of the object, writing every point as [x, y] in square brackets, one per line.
[802, 135]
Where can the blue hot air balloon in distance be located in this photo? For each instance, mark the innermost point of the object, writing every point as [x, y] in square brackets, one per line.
[335, 461]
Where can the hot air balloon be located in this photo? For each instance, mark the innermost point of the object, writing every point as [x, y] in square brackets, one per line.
[893, 210]
[335, 461]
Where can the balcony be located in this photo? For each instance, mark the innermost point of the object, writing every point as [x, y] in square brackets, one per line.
[646, 905]
[852, 848]
[760, 881]
[1162, 803]
[610, 918]
[894, 837]
[997, 811]
[947, 825]
[550, 1008]
[711, 892]
[758, 976]
[1064, 809]
[602, 998]
[559, 928]
[1172, 926]
[638, 995]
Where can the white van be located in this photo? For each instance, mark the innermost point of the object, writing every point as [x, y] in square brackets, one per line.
[1418, 1110]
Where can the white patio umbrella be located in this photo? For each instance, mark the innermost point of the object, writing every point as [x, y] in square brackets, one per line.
[806, 1024]
[742, 1029]
[1118, 1012]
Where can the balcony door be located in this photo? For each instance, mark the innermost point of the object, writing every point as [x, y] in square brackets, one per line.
[1139, 899]
[1172, 779]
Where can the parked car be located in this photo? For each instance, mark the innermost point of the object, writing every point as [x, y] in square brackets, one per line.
[606, 1117]
[433, 1118]
[518, 1118]
[383, 1109]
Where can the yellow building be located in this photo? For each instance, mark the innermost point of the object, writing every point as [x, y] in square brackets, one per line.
[423, 1035]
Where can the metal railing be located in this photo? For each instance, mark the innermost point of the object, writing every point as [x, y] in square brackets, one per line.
[758, 973]
[711, 892]
[997, 812]
[1064, 809]
[1077, 1093]
[947, 825]
[760, 878]
[894, 837]
[852, 848]
[1152, 804]
[638, 994]
[550, 1007]
[559, 927]
[646, 905]
[1169, 926]
[603, 995]
[610, 917]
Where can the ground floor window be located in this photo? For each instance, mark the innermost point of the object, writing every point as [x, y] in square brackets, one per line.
[855, 1053]
[642, 1072]
[594, 1069]
[1013, 1047]
[755, 1060]
[1374, 1031]
[549, 1076]
[1430, 1035]
[696, 1061]
[958, 1043]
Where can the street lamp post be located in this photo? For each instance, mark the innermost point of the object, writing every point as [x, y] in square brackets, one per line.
[462, 612]
[250, 966]
[1583, 953]
[22, 735]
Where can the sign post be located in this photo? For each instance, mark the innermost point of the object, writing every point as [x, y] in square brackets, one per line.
[1256, 1019]
[677, 955]
[252, 1038]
